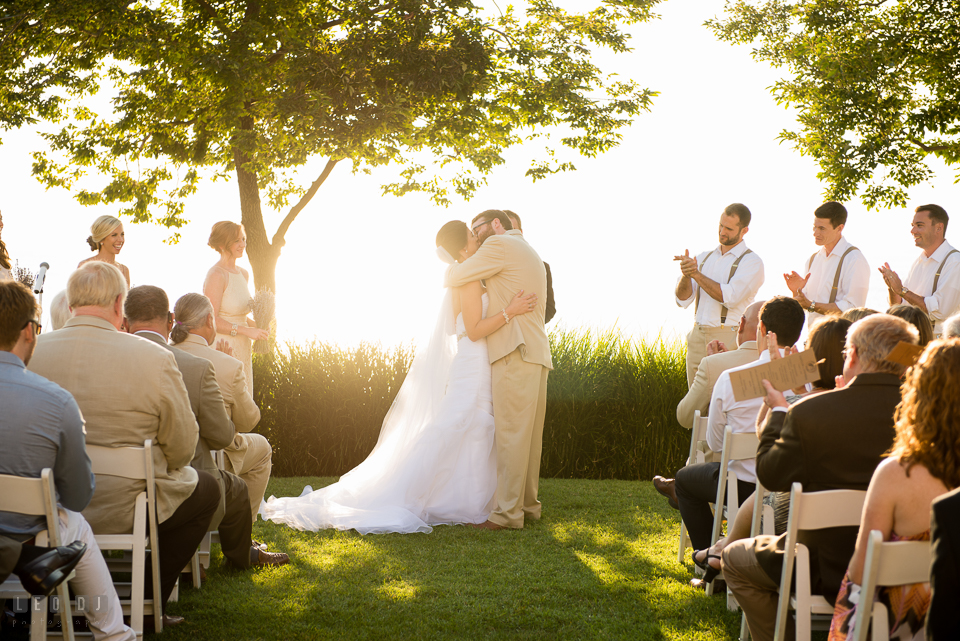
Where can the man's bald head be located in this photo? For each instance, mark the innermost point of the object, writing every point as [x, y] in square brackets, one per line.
[748, 324]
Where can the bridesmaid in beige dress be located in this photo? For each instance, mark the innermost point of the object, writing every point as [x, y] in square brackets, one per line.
[106, 238]
[227, 287]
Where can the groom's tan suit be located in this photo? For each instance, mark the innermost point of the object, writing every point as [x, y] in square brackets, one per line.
[520, 359]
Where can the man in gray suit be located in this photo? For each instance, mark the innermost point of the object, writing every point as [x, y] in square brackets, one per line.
[146, 312]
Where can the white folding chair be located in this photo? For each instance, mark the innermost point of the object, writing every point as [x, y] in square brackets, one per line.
[810, 511]
[202, 556]
[134, 463]
[736, 447]
[35, 497]
[891, 563]
[698, 448]
[762, 516]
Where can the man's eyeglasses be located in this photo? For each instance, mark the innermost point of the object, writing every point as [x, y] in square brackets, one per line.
[36, 325]
[479, 225]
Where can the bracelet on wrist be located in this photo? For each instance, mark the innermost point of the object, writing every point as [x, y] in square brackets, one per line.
[505, 317]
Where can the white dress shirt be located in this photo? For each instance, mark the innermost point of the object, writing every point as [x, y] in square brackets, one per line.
[854, 279]
[737, 294]
[945, 302]
[741, 416]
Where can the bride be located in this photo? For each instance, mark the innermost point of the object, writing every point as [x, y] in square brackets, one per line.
[435, 461]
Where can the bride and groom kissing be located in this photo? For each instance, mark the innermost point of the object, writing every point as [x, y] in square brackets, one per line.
[461, 443]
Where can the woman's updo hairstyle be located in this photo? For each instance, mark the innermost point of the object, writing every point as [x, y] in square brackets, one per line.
[453, 237]
[100, 229]
[191, 312]
[224, 233]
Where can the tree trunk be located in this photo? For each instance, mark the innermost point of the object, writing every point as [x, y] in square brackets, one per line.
[262, 254]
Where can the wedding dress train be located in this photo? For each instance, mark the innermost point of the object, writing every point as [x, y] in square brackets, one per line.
[434, 462]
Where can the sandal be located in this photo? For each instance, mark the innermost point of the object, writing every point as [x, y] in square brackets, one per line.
[709, 572]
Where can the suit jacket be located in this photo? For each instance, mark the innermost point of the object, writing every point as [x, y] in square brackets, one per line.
[943, 618]
[831, 441]
[206, 402]
[128, 389]
[241, 408]
[508, 264]
[709, 370]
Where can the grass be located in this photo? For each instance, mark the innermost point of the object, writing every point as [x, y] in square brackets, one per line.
[601, 564]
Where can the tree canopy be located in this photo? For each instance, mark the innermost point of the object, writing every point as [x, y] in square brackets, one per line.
[876, 85]
[208, 89]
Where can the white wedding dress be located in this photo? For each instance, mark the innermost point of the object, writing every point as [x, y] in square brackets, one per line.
[434, 462]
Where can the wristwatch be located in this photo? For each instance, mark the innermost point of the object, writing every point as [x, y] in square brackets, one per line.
[812, 307]
[233, 332]
[904, 290]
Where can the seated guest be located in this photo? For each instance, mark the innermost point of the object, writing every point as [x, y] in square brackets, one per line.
[915, 317]
[41, 427]
[924, 464]
[834, 440]
[59, 311]
[951, 327]
[130, 390]
[696, 485]
[943, 618]
[855, 314]
[719, 359]
[147, 315]
[250, 456]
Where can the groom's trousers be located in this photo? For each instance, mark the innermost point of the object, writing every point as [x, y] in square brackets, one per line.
[519, 407]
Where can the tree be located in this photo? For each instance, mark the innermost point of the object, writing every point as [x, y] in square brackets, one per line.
[254, 88]
[876, 85]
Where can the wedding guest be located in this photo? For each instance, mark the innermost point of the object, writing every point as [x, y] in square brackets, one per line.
[41, 427]
[139, 396]
[943, 618]
[951, 327]
[60, 311]
[915, 317]
[227, 285]
[833, 440]
[551, 304]
[720, 284]
[106, 238]
[5, 264]
[923, 464]
[147, 315]
[40, 569]
[250, 455]
[855, 314]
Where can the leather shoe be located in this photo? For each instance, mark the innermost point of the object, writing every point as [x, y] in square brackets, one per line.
[263, 559]
[42, 575]
[666, 487]
[487, 525]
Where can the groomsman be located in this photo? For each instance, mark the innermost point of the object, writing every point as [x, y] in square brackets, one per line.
[720, 283]
[933, 283]
[838, 276]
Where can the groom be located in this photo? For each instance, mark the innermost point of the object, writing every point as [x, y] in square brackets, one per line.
[519, 358]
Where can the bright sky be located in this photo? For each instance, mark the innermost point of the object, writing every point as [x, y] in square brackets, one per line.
[361, 267]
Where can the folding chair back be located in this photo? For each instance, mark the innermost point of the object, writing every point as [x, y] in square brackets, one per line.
[762, 516]
[698, 439]
[891, 563]
[35, 497]
[810, 511]
[134, 463]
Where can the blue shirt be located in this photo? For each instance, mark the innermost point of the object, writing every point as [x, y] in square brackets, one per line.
[40, 426]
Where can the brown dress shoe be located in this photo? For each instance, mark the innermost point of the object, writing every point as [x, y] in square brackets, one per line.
[487, 525]
[666, 487]
[263, 559]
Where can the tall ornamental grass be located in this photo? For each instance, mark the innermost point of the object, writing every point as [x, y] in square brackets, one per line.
[611, 405]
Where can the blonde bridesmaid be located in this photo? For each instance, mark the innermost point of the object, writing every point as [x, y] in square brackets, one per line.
[106, 238]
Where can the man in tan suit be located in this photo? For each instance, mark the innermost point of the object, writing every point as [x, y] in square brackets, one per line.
[130, 390]
[520, 360]
[249, 456]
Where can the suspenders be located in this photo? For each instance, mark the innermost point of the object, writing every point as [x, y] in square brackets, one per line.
[936, 278]
[733, 270]
[836, 277]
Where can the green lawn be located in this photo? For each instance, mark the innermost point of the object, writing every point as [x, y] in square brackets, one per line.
[601, 564]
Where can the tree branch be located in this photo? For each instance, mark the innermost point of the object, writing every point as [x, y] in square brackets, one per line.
[334, 23]
[930, 149]
[278, 238]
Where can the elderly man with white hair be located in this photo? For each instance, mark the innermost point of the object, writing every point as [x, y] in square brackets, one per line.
[951, 327]
[129, 390]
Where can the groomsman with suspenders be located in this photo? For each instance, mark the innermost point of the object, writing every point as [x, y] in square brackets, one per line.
[720, 283]
[933, 284]
[838, 276]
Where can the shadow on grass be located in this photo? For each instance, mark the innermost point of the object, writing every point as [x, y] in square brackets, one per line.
[600, 565]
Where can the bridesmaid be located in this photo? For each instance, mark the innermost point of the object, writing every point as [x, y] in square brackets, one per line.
[227, 287]
[5, 266]
[106, 238]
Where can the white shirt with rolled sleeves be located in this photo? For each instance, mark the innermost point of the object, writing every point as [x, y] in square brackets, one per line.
[945, 302]
[741, 416]
[854, 279]
[737, 294]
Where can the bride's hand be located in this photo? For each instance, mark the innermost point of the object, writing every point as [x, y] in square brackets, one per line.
[521, 304]
[254, 333]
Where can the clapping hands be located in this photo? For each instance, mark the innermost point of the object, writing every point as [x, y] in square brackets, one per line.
[795, 282]
[688, 263]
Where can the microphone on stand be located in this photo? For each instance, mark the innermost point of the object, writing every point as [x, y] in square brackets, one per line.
[38, 281]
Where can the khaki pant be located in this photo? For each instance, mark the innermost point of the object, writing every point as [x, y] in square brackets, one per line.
[519, 407]
[697, 341]
[251, 458]
[755, 591]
